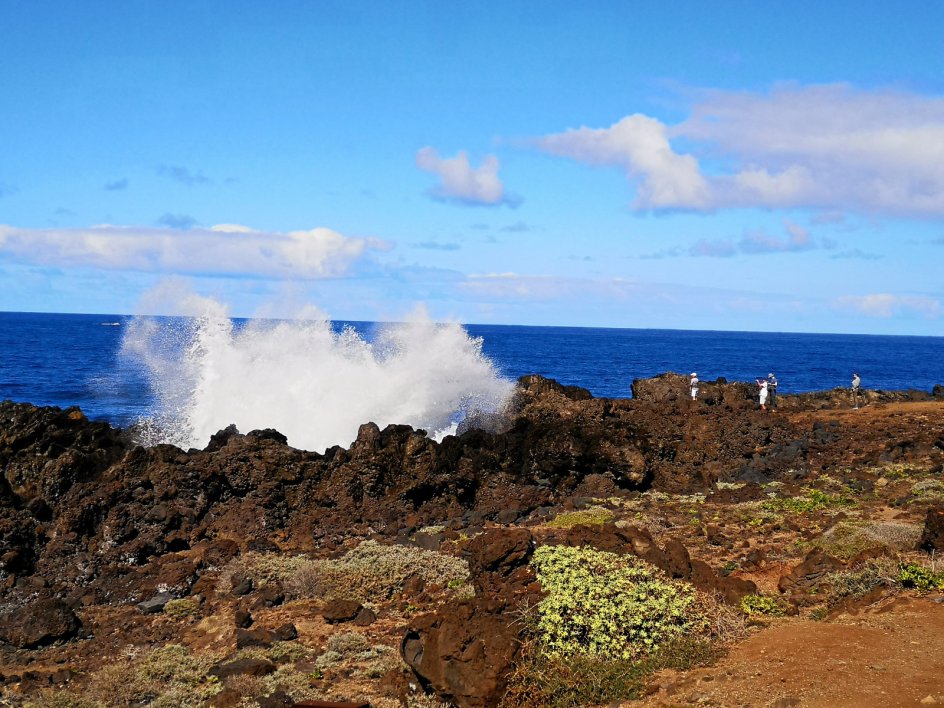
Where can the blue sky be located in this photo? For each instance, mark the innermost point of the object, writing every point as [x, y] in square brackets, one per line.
[691, 165]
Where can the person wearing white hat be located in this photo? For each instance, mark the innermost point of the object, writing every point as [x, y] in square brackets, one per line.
[693, 386]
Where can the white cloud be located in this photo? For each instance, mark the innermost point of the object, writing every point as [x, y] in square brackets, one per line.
[516, 286]
[639, 145]
[887, 305]
[462, 183]
[831, 147]
[224, 250]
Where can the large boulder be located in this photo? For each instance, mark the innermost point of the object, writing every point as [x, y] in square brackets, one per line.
[39, 623]
[932, 539]
[465, 651]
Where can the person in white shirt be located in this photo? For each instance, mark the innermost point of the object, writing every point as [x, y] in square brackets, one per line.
[693, 386]
[762, 385]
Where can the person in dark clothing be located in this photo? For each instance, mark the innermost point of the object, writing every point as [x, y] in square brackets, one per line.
[856, 384]
[772, 390]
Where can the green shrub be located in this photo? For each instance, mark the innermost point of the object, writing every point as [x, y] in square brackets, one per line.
[813, 500]
[263, 568]
[912, 575]
[762, 605]
[543, 681]
[860, 581]
[375, 572]
[849, 538]
[183, 607]
[606, 605]
[591, 516]
[348, 643]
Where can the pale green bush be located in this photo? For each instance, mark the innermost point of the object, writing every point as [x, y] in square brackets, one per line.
[374, 572]
[606, 605]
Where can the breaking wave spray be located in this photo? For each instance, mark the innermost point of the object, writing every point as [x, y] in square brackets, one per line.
[313, 384]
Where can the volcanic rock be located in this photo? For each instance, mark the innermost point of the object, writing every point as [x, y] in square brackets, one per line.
[39, 623]
[932, 539]
[464, 651]
[336, 611]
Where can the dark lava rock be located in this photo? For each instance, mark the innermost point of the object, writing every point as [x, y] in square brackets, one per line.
[499, 551]
[242, 618]
[155, 604]
[41, 622]
[810, 573]
[933, 537]
[254, 638]
[242, 585]
[279, 699]
[464, 651]
[336, 611]
[365, 617]
[247, 667]
[286, 632]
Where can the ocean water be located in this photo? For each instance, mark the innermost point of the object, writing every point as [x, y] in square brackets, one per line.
[189, 378]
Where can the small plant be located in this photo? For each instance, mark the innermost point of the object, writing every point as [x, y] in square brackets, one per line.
[286, 652]
[262, 568]
[922, 579]
[848, 538]
[183, 607]
[542, 681]
[348, 643]
[860, 581]
[813, 500]
[762, 605]
[373, 571]
[928, 489]
[606, 605]
[592, 516]
[818, 614]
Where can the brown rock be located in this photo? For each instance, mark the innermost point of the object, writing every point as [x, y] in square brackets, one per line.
[41, 622]
[810, 573]
[465, 650]
[336, 611]
[933, 537]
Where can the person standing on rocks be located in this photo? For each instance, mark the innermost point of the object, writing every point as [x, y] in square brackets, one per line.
[856, 383]
[762, 385]
[693, 386]
[772, 390]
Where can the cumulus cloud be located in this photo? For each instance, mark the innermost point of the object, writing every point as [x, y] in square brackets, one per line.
[639, 145]
[182, 174]
[832, 147]
[887, 305]
[224, 250]
[461, 183]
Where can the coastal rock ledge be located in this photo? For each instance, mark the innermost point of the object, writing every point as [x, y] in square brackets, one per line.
[94, 526]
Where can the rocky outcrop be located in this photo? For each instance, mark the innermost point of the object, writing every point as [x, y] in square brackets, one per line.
[932, 538]
[89, 516]
[39, 623]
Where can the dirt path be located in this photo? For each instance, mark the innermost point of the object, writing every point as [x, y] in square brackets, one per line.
[887, 655]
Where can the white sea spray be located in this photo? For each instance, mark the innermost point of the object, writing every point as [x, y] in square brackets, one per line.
[302, 377]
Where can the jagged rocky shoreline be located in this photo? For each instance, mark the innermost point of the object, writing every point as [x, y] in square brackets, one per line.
[93, 525]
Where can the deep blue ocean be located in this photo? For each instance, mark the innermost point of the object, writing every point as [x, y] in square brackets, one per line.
[64, 360]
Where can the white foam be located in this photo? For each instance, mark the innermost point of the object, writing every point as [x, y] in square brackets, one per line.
[314, 385]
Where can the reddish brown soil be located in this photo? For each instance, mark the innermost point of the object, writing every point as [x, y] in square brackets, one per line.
[889, 654]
